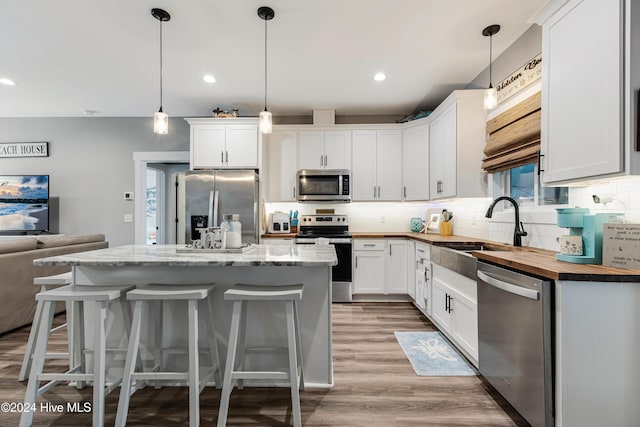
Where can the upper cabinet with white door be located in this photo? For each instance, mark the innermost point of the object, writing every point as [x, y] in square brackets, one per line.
[590, 80]
[224, 143]
[280, 148]
[377, 165]
[457, 137]
[415, 161]
[324, 150]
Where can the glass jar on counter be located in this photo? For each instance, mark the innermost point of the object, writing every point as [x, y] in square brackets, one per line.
[231, 231]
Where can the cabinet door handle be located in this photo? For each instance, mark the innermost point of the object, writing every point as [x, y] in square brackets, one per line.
[540, 156]
[294, 192]
[389, 250]
[369, 245]
[325, 160]
[321, 160]
[405, 191]
[226, 157]
[450, 299]
[356, 261]
[446, 302]
[221, 156]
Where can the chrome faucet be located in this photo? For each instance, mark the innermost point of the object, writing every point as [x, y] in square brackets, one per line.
[519, 230]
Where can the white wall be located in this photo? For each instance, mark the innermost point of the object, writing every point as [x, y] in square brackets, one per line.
[90, 165]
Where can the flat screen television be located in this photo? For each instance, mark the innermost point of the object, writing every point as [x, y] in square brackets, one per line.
[24, 204]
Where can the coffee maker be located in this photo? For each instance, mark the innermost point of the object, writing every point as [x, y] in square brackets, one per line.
[582, 223]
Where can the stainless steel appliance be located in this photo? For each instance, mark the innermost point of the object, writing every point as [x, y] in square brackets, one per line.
[211, 194]
[323, 185]
[334, 230]
[514, 339]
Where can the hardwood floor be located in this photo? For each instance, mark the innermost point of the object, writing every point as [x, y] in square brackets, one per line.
[374, 386]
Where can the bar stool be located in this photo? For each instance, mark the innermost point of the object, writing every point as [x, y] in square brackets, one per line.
[78, 296]
[46, 283]
[241, 295]
[193, 294]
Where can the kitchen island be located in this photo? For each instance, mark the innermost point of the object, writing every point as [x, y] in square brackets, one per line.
[309, 265]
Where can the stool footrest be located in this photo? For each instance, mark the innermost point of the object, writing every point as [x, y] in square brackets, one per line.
[66, 377]
[58, 328]
[173, 376]
[57, 356]
[259, 375]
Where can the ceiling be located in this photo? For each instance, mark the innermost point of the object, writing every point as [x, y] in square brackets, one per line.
[73, 57]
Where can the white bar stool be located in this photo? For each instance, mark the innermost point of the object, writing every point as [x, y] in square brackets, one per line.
[46, 283]
[241, 295]
[193, 294]
[77, 295]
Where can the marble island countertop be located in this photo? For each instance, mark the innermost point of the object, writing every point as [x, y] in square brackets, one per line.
[174, 255]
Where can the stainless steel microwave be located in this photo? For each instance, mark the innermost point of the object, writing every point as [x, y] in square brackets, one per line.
[323, 185]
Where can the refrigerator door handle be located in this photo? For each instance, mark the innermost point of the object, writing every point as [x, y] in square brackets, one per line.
[216, 196]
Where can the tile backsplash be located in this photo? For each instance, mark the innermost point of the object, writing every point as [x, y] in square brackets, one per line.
[469, 214]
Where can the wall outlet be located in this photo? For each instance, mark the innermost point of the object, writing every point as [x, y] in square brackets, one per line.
[128, 217]
[128, 195]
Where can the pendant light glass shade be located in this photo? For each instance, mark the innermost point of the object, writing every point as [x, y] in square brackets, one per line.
[266, 122]
[491, 94]
[161, 123]
[490, 98]
[160, 118]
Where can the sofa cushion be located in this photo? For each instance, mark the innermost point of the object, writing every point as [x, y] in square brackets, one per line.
[18, 245]
[53, 241]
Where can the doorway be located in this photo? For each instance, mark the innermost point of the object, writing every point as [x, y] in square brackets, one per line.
[159, 201]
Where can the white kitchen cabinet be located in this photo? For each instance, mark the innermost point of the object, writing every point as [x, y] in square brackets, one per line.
[217, 144]
[380, 266]
[324, 150]
[377, 165]
[457, 137]
[281, 166]
[411, 269]
[415, 162]
[422, 277]
[455, 308]
[396, 267]
[368, 266]
[589, 90]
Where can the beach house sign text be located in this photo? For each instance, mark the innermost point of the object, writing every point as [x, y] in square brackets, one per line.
[24, 149]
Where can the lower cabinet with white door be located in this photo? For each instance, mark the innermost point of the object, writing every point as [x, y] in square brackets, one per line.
[380, 266]
[455, 309]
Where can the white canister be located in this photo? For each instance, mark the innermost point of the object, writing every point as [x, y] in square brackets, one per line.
[231, 231]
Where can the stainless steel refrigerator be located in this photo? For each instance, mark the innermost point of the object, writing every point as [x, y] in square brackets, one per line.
[211, 194]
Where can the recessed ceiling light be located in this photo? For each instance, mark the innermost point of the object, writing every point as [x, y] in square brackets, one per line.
[379, 77]
[209, 78]
[7, 82]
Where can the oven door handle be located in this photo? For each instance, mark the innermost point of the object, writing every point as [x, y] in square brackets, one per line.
[508, 287]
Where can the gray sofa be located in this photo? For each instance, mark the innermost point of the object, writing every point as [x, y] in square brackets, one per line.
[17, 291]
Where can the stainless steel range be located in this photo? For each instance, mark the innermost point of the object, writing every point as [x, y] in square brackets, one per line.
[334, 230]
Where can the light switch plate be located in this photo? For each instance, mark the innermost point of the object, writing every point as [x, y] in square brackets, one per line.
[128, 195]
[128, 217]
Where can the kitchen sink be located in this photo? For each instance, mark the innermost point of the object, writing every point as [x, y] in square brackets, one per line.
[468, 247]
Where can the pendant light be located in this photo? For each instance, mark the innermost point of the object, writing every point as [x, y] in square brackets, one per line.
[491, 94]
[160, 118]
[266, 119]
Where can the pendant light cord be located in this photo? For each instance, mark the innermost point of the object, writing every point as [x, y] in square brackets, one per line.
[161, 65]
[490, 59]
[265, 65]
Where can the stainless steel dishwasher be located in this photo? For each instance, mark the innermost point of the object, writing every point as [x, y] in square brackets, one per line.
[515, 340]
